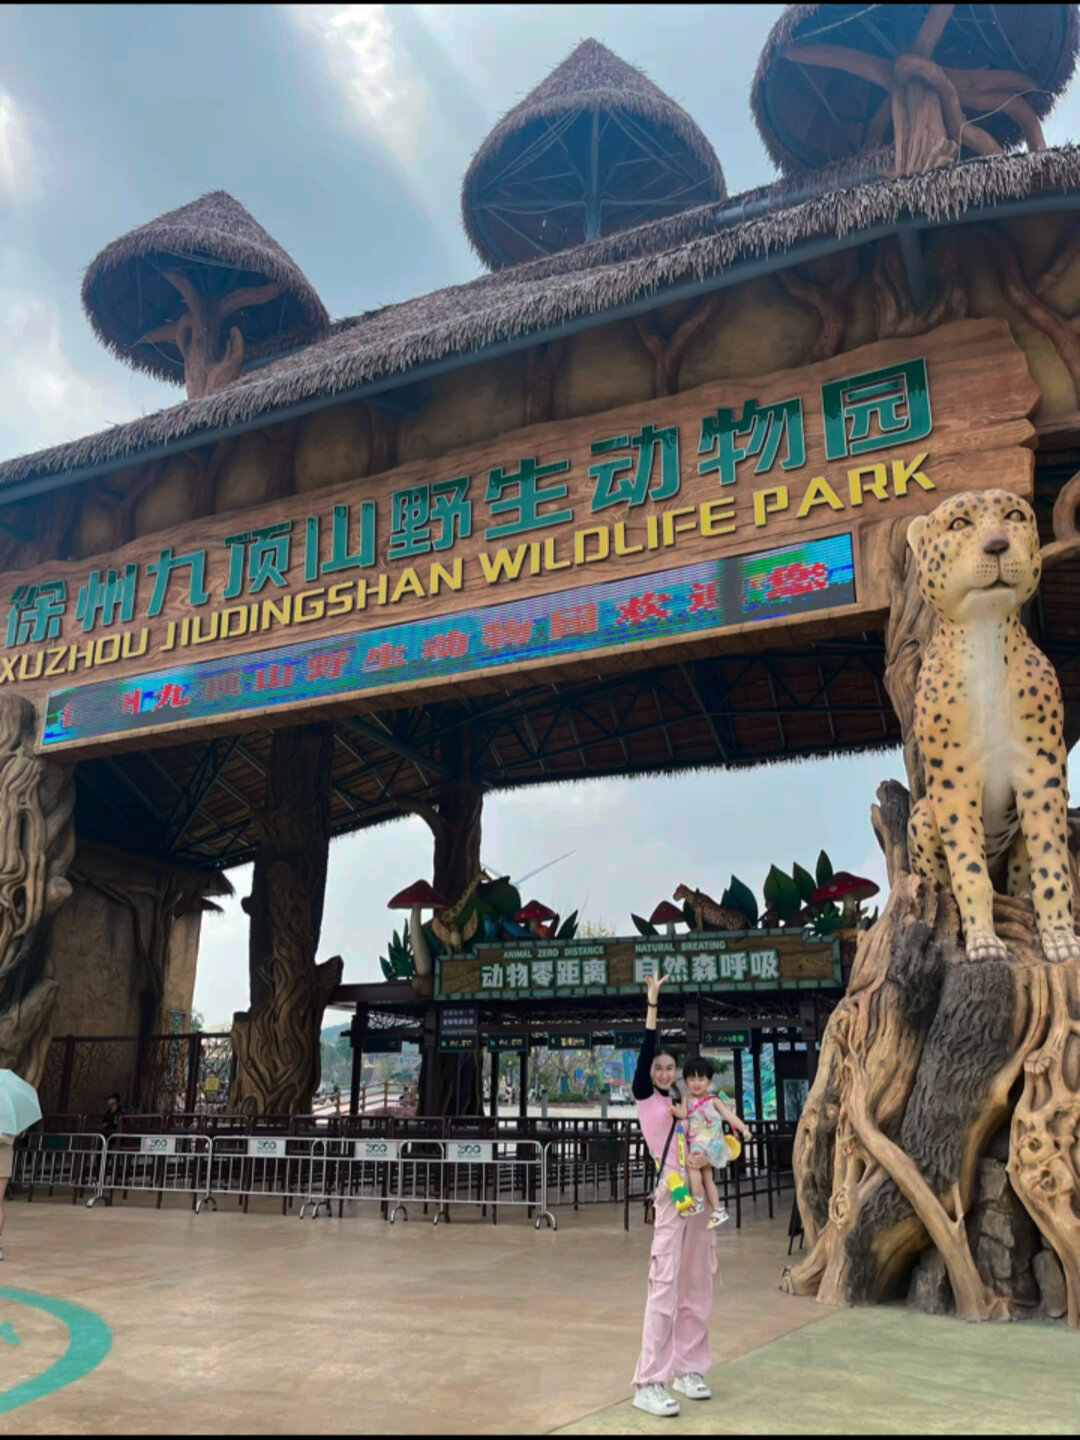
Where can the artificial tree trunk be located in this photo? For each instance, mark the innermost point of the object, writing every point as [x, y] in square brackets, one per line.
[276, 1041]
[37, 841]
[925, 1060]
[455, 823]
[155, 894]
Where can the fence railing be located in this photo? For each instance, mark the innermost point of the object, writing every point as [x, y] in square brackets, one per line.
[312, 1162]
[180, 1071]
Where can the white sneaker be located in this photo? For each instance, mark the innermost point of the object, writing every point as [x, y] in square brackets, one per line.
[695, 1209]
[718, 1217]
[693, 1386]
[655, 1400]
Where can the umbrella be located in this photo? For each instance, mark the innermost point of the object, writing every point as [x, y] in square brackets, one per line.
[19, 1105]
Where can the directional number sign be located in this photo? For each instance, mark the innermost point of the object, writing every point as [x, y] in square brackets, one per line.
[459, 1042]
[581, 1041]
[518, 1042]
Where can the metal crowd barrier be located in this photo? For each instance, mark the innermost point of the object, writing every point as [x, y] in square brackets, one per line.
[155, 1164]
[288, 1168]
[59, 1162]
[472, 1172]
[313, 1162]
[357, 1170]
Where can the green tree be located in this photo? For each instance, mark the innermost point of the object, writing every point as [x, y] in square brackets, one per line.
[595, 930]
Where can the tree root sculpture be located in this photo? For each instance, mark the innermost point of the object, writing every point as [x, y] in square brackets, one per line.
[924, 1061]
[37, 842]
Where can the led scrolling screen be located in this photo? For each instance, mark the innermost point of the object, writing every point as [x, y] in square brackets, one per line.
[710, 595]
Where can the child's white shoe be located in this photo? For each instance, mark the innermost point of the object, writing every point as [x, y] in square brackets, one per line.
[695, 1209]
[717, 1218]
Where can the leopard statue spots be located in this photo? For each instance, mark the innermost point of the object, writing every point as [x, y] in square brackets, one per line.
[989, 722]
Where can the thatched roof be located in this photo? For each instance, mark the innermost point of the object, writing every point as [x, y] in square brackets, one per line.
[216, 243]
[809, 116]
[520, 198]
[591, 281]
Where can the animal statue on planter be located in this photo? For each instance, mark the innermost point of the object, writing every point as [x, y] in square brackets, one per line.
[947, 1094]
[989, 722]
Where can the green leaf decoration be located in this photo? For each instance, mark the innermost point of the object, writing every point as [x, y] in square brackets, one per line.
[824, 870]
[399, 963]
[644, 927]
[805, 882]
[740, 897]
[828, 922]
[782, 894]
[568, 929]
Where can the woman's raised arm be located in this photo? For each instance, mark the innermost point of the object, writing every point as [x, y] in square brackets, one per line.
[641, 1087]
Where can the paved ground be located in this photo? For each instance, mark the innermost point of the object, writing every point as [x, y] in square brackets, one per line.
[174, 1323]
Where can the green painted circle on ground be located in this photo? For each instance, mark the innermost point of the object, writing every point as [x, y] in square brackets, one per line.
[90, 1340]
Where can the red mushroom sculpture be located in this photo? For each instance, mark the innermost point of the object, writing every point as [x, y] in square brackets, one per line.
[668, 915]
[846, 890]
[533, 915]
[414, 898]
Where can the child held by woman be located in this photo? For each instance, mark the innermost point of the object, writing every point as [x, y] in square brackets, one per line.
[703, 1115]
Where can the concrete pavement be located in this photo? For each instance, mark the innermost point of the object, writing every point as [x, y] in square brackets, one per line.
[265, 1324]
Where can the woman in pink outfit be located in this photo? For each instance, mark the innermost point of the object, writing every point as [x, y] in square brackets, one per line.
[682, 1266]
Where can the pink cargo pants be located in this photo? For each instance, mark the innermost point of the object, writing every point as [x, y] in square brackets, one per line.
[682, 1273]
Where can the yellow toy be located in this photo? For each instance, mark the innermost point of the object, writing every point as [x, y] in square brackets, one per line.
[733, 1145]
[680, 1192]
[684, 1201]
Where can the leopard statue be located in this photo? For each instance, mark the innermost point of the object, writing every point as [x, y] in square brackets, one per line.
[989, 722]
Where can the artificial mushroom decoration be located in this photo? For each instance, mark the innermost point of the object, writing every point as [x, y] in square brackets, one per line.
[846, 890]
[533, 915]
[668, 915]
[414, 898]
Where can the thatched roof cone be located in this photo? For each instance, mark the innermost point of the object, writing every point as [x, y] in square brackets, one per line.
[999, 61]
[220, 249]
[595, 148]
[525, 301]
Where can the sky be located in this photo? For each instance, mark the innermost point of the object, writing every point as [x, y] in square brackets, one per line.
[346, 131]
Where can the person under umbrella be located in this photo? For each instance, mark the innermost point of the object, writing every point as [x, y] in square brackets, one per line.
[19, 1109]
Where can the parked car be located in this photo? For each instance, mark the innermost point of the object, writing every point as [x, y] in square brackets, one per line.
[620, 1095]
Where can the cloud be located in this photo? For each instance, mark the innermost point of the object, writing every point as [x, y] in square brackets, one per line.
[47, 399]
[362, 46]
[407, 93]
[20, 167]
